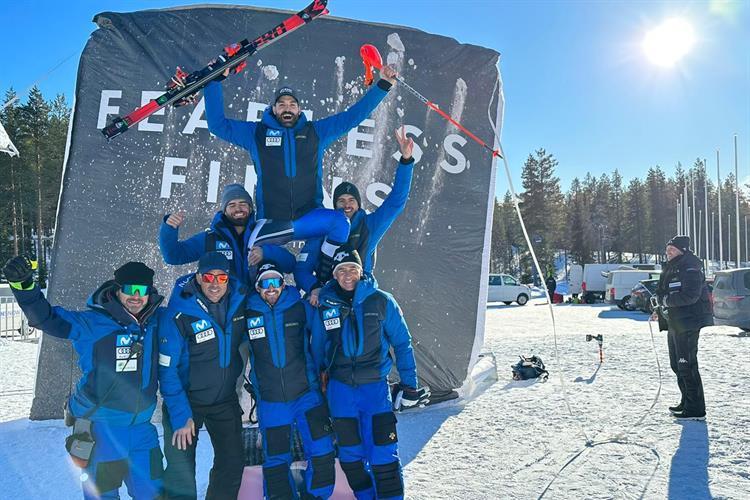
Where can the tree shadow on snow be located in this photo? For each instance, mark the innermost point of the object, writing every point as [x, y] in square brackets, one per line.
[688, 475]
[591, 379]
[620, 314]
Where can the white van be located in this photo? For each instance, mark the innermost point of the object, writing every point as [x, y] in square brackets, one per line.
[575, 279]
[504, 288]
[621, 282]
[595, 280]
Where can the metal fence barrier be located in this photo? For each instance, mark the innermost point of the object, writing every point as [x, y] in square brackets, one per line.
[13, 324]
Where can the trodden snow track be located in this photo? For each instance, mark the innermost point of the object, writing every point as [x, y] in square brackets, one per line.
[512, 439]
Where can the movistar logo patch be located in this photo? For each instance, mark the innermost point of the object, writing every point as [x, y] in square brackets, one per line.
[124, 340]
[330, 313]
[340, 256]
[199, 326]
[222, 245]
[255, 322]
[273, 133]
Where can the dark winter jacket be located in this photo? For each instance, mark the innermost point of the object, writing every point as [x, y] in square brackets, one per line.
[282, 368]
[199, 361]
[366, 229]
[351, 340]
[288, 161]
[121, 381]
[683, 291]
[220, 237]
[551, 284]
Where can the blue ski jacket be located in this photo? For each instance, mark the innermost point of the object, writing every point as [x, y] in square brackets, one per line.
[220, 237]
[288, 160]
[366, 229]
[199, 359]
[280, 359]
[120, 380]
[351, 340]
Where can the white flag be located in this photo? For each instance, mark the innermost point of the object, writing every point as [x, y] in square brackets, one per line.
[6, 145]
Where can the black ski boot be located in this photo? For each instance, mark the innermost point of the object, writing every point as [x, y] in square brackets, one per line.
[683, 416]
[677, 409]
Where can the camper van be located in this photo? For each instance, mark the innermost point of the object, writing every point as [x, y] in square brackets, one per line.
[621, 281]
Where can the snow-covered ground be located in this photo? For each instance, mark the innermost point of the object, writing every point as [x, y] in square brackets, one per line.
[513, 439]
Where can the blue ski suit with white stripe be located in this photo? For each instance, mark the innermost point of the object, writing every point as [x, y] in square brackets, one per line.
[351, 341]
[199, 366]
[366, 229]
[288, 395]
[220, 237]
[289, 160]
[122, 382]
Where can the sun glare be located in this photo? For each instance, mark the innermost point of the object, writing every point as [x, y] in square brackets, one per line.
[667, 43]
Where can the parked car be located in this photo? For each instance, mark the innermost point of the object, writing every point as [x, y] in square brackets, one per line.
[731, 298]
[506, 289]
[640, 296]
[620, 282]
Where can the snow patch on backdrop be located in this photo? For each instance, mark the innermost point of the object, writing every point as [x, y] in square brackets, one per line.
[271, 72]
[394, 41]
[339, 81]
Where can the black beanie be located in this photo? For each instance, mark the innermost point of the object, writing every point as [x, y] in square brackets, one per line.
[235, 192]
[134, 273]
[346, 255]
[347, 188]
[680, 241]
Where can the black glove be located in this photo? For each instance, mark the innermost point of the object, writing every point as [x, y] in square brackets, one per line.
[409, 397]
[19, 270]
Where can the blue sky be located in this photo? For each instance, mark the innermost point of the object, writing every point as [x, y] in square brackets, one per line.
[576, 80]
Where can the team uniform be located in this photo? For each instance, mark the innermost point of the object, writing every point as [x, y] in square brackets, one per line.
[288, 395]
[351, 342]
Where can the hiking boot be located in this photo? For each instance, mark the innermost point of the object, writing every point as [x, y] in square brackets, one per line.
[677, 409]
[683, 416]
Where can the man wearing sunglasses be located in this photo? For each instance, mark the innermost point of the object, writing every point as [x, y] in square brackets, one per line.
[356, 327]
[117, 344]
[231, 233]
[286, 386]
[367, 229]
[199, 364]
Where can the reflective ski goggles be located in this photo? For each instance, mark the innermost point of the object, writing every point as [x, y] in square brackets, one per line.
[270, 282]
[141, 290]
[218, 278]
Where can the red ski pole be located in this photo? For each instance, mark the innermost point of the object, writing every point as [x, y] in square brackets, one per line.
[372, 59]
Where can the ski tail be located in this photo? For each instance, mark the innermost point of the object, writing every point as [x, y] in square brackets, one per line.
[233, 57]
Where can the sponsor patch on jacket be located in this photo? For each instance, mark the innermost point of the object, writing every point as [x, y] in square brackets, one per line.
[124, 341]
[301, 257]
[331, 318]
[126, 365]
[255, 328]
[290, 325]
[273, 137]
[205, 336]
[164, 360]
[675, 284]
[122, 352]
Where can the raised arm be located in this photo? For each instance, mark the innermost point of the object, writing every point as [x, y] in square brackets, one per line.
[177, 252]
[237, 132]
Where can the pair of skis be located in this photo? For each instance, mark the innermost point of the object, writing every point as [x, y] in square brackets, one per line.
[183, 87]
[234, 57]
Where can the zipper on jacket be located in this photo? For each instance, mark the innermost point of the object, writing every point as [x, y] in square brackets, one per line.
[292, 175]
[139, 371]
[278, 352]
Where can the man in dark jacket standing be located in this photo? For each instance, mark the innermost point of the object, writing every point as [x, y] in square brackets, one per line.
[117, 344]
[551, 284]
[199, 364]
[286, 387]
[684, 308]
[356, 327]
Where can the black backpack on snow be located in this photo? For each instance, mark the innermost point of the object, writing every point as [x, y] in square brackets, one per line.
[529, 367]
